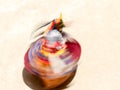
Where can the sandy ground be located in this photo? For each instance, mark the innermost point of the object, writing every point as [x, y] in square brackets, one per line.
[94, 23]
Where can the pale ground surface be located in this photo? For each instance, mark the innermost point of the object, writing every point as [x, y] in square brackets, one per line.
[94, 23]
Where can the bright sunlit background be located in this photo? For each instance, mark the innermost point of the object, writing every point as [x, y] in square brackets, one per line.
[94, 23]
